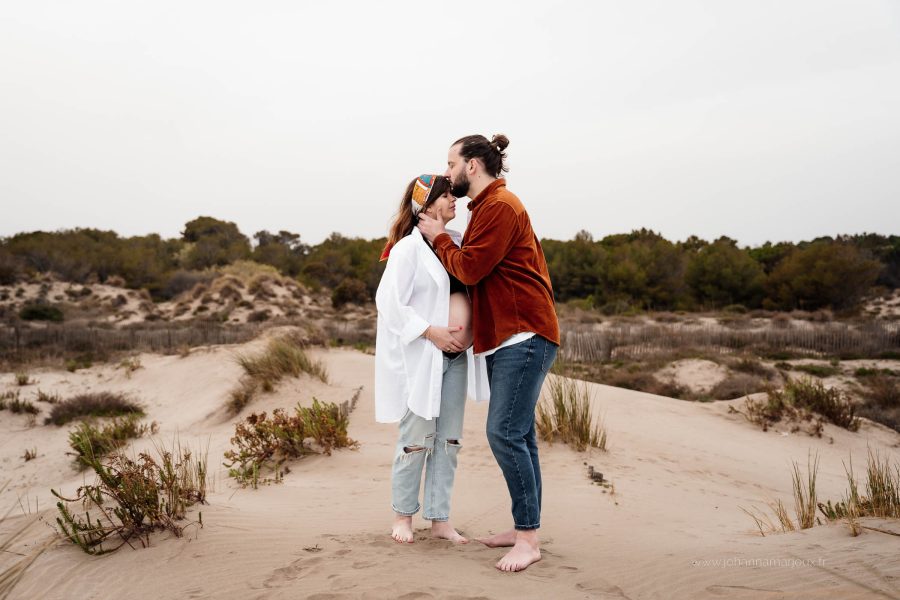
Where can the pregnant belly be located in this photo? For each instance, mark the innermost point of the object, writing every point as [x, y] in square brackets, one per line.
[461, 316]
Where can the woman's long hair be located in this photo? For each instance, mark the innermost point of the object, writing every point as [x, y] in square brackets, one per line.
[405, 219]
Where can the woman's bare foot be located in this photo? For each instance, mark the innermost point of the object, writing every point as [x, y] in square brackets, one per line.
[443, 530]
[402, 532]
[499, 540]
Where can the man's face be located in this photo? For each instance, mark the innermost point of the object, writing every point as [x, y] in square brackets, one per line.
[456, 171]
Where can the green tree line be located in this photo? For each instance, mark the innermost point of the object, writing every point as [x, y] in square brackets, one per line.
[639, 270]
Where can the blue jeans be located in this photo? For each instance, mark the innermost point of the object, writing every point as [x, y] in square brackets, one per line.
[434, 444]
[516, 374]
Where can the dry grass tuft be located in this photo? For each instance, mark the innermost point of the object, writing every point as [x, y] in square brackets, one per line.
[567, 415]
[23, 379]
[804, 503]
[130, 365]
[882, 497]
[12, 402]
[42, 396]
[14, 564]
[284, 356]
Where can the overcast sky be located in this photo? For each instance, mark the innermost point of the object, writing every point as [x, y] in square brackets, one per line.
[763, 120]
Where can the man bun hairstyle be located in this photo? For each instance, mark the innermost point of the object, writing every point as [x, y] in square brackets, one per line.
[491, 153]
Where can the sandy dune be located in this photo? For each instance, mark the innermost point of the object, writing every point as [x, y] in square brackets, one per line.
[681, 472]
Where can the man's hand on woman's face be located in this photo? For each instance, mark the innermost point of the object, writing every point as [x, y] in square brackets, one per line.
[430, 228]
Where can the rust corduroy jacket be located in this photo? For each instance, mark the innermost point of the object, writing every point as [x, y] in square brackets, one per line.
[503, 265]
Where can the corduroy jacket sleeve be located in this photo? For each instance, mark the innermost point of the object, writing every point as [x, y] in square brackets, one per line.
[489, 238]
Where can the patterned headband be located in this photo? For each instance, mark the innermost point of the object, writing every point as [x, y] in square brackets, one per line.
[421, 191]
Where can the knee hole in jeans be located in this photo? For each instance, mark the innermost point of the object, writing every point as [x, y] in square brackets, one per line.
[410, 449]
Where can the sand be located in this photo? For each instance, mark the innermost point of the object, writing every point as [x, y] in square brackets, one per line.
[673, 528]
[698, 375]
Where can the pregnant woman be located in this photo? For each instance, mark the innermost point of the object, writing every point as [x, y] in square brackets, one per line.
[421, 363]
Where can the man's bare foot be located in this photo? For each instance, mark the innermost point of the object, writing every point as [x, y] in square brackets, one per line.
[499, 540]
[402, 532]
[525, 552]
[443, 530]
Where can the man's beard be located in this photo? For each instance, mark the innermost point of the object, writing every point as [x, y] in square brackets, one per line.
[461, 187]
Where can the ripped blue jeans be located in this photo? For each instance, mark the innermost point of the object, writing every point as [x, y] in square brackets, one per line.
[434, 445]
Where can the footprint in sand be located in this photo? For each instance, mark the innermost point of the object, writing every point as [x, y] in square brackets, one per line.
[728, 590]
[298, 569]
[600, 588]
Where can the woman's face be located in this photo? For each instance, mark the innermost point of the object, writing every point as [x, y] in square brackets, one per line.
[443, 209]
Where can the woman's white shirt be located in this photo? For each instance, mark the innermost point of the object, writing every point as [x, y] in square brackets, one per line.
[414, 293]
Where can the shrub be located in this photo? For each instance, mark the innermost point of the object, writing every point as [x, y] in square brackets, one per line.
[10, 268]
[883, 391]
[735, 386]
[821, 275]
[871, 372]
[182, 281]
[567, 415]
[134, 498]
[882, 401]
[646, 382]
[753, 367]
[350, 290]
[798, 401]
[229, 292]
[88, 440]
[41, 312]
[23, 379]
[259, 286]
[261, 442]
[93, 404]
[79, 293]
[81, 362]
[831, 403]
[735, 308]
[258, 316]
[817, 370]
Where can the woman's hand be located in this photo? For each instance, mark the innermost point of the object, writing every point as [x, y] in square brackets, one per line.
[440, 337]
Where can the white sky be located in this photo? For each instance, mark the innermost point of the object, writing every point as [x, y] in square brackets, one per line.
[758, 120]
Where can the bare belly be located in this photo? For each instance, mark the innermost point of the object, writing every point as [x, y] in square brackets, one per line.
[461, 316]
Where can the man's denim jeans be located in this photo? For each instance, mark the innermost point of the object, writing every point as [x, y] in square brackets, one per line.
[516, 374]
[432, 449]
